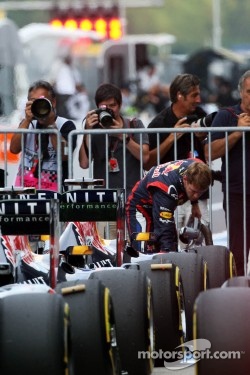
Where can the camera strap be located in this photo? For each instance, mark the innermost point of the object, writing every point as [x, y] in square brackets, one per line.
[44, 142]
[229, 109]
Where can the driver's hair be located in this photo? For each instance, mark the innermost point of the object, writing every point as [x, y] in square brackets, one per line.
[199, 174]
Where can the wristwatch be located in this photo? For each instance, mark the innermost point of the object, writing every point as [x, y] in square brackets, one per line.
[127, 139]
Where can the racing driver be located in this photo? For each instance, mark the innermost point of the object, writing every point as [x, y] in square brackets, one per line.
[158, 194]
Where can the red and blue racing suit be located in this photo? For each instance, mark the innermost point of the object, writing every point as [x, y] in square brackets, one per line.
[156, 197]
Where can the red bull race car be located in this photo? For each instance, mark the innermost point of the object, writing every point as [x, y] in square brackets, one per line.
[50, 244]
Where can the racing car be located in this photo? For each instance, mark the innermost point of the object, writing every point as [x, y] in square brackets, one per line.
[98, 329]
[80, 252]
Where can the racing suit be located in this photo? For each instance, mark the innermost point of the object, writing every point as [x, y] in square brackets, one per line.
[156, 197]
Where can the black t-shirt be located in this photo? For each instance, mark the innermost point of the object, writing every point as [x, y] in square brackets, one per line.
[167, 119]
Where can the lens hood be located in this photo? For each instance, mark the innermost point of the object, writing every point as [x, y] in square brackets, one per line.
[41, 108]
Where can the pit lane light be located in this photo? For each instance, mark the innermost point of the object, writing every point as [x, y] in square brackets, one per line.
[105, 21]
[71, 23]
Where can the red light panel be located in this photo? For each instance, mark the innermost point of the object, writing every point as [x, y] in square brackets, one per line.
[86, 24]
[57, 23]
[71, 24]
[115, 28]
[106, 25]
[101, 26]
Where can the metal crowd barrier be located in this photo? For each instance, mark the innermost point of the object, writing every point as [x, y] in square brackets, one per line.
[192, 131]
[9, 161]
[76, 172]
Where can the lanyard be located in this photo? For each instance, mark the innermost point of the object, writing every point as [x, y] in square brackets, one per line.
[113, 146]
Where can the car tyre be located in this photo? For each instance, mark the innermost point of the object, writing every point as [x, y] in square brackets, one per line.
[221, 316]
[94, 348]
[193, 275]
[220, 264]
[34, 335]
[168, 306]
[131, 294]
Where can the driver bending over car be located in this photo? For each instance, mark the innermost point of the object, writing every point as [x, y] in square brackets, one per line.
[158, 194]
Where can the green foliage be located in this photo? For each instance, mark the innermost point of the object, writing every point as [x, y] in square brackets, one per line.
[191, 21]
[24, 17]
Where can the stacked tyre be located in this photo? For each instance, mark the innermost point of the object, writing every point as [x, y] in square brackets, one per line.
[132, 299]
[34, 335]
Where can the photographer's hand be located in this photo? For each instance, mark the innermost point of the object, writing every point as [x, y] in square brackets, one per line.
[243, 120]
[28, 114]
[181, 124]
[15, 143]
[91, 119]
[117, 124]
[200, 135]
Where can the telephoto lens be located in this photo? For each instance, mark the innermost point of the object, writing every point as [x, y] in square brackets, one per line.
[105, 119]
[105, 116]
[41, 108]
[207, 120]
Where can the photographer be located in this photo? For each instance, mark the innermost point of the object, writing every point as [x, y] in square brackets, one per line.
[40, 113]
[185, 98]
[233, 147]
[108, 99]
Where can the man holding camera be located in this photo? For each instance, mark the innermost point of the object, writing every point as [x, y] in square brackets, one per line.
[185, 98]
[107, 152]
[233, 147]
[39, 168]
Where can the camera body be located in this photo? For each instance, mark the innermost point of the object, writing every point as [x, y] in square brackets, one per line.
[105, 116]
[191, 118]
[41, 108]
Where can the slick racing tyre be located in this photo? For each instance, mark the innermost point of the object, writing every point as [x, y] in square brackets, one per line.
[94, 348]
[220, 264]
[168, 306]
[221, 316]
[131, 294]
[193, 276]
[243, 281]
[34, 335]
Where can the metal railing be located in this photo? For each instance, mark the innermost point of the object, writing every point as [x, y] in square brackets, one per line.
[212, 193]
[7, 164]
[75, 171]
